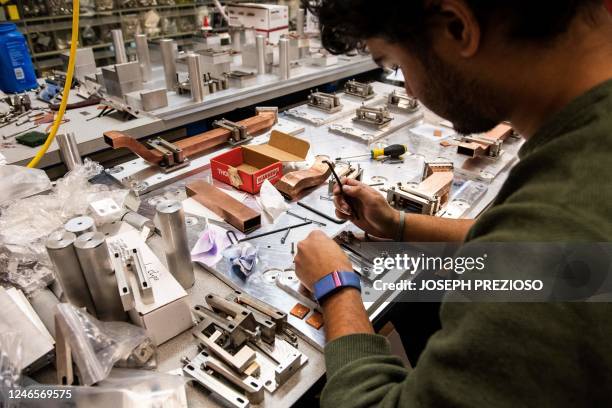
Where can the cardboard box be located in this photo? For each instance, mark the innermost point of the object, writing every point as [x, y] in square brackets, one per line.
[247, 167]
[169, 314]
[270, 20]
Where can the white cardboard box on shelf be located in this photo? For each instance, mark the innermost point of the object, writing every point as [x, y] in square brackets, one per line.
[169, 314]
[270, 20]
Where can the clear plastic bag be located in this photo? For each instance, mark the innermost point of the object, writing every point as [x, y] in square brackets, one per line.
[123, 388]
[10, 364]
[97, 346]
[25, 224]
[18, 182]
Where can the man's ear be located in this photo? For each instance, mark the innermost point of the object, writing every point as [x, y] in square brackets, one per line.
[459, 25]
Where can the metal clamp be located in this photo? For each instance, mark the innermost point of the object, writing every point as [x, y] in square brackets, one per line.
[359, 89]
[376, 117]
[173, 156]
[329, 103]
[239, 132]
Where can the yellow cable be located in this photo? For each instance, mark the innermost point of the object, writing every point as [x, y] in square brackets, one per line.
[60, 114]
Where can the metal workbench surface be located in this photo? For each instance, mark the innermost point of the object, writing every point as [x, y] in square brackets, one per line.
[277, 256]
[181, 111]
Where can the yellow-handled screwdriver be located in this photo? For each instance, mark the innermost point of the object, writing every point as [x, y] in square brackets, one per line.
[394, 151]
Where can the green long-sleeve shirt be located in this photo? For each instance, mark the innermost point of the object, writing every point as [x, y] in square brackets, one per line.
[519, 354]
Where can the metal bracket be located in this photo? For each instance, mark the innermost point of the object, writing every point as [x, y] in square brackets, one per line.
[173, 157]
[359, 89]
[375, 117]
[324, 101]
[401, 101]
[239, 132]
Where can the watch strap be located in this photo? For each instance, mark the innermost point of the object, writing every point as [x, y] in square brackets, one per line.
[335, 281]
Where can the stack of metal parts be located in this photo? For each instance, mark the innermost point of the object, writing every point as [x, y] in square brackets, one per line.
[121, 79]
[246, 347]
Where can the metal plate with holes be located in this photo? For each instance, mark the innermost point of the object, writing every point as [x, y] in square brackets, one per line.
[318, 117]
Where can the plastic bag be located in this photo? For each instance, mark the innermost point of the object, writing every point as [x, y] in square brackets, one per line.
[10, 364]
[18, 182]
[123, 388]
[97, 346]
[25, 224]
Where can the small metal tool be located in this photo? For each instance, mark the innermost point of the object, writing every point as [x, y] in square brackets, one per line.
[264, 234]
[284, 238]
[346, 198]
[320, 224]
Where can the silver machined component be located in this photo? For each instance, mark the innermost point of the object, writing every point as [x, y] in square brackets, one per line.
[284, 64]
[251, 386]
[43, 302]
[240, 361]
[239, 132]
[92, 251]
[138, 221]
[144, 59]
[125, 290]
[169, 52]
[80, 225]
[226, 393]
[236, 40]
[195, 77]
[401, 101]
[174, 234]
[260, 44]
[173, 157]
[152, 99]
[60, 247]
[301, 16]
[375, 117]
[359, 89]
[329, 103]
[119, 46]
[137, 266]
[69, 150]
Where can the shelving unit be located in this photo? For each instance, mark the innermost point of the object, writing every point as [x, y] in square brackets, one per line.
[56, 29]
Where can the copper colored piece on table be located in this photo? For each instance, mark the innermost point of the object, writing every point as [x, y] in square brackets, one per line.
[445, 143]
[231, 210]
[437, 133]
[315, 320]
[299, 310]
[193, 145]
[295, 182]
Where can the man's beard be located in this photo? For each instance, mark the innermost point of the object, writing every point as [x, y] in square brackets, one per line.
[469, 105]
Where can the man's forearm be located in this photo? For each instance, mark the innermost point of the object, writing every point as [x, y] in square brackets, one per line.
[425, 228]
[344, 314]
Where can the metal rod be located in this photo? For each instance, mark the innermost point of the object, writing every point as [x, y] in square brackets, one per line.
[195, 77]
[43, 302]
[276, 231]
[236, 43]
[319, 213]
[283, 56]
[260, 44]
[92, 251]
[174, 233]
[144, 58]
[60, 247]
[300, 22]
[320, 224]
[168, 52]
[69, 150]
[284, 238]
[119, 46]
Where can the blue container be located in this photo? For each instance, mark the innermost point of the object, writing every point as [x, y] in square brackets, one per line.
[16, 69]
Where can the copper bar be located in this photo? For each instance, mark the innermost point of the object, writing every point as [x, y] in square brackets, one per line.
[231, 210]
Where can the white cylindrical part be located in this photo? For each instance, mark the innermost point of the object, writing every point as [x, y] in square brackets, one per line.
[236, 41]
[300, 22]
[174, 234]
[283, 59]
[80, 225]
[119, 45]
[260, 44]
[195, 77]
[144, 59]
[69, 150]
[169, 52]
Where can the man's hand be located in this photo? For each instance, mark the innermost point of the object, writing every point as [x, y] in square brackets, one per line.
[376, 216]
[317, 256]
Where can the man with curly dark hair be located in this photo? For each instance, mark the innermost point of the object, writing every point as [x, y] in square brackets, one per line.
[546, 67]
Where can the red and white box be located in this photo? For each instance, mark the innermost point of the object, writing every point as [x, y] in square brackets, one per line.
[270, 20]
[247, 167]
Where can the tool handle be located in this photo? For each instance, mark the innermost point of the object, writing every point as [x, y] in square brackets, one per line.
[395, 151]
